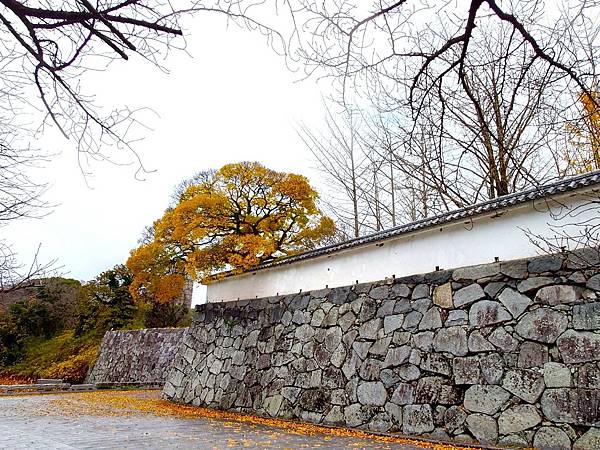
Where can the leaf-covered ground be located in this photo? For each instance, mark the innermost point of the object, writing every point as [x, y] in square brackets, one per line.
[148, 403]
[141, 419]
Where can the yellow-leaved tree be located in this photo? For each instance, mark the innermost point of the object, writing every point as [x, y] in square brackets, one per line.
[585, 135]
[234, 219]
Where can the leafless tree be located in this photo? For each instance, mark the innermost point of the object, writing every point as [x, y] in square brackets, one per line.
[20, 197]
[412, 47]
[47, 46]
[16, 276]
[45, 49]
[340, 157]
[421, 43]
[491, 132]
[469, 99]
[362, 188]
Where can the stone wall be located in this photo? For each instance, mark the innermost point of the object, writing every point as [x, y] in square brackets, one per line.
[136, 356]
[506, 353]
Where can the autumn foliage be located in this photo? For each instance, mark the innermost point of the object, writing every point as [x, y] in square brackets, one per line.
[237, 218]
[585, 136]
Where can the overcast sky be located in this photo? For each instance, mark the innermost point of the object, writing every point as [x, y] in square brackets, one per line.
[232, 99]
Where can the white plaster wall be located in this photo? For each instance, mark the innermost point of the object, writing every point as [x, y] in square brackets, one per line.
[198, 294]
[454, 245]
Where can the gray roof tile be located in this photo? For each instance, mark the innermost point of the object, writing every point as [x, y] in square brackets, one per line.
[537, 193]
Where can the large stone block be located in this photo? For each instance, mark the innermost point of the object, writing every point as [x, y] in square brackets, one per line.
[380, 292]
[466, 370]
[304, 333]
[531, 284]
[559, 294]
[492, 367]
[586, 317]
[578, 347]
[542, 325]
[451, 340]
[356, 414]
[556, 375]
[483, 428]
[386, 308]
[474, 273]
[362, 348]
[371, 393]
[487, 312]
[333, 338]
[369, 330]
[552, 438]
[435, 363]
[477, 343]
[421, 291]
[408, 372]
[546, 263]
[272, 405]
[492, 289]
[532, 354]
[404, 394]
[412, 320]
[431, 320]
[485, 399]
[589, 441]
[503, 340]
[335, 416]
[400, 290]
[423, 341]
[588, 376]
[368, 310]
[316, 399]
[468, 295]
[594, 282]
[454, 419]
[436, 390]
[575, 406]
[396, 356]
[457, 317]
[518, 418]
[392, 323]
[514, 269]
[395, 413]
[417, 419]
[525, 384]
[442, 296]
[515, 302]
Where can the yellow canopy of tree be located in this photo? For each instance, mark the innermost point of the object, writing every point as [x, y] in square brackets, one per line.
[241, 216]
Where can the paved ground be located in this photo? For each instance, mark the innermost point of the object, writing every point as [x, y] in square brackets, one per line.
[136, 420]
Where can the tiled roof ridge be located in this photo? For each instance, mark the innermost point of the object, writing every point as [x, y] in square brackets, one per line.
[517, 198]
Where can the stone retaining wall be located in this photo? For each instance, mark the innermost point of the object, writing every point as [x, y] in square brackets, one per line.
[136, 356]
[506, 353]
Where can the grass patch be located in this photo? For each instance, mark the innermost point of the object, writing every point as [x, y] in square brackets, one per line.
[64, 356]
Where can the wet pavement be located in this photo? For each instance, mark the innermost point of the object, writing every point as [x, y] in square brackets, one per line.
[101, 421]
